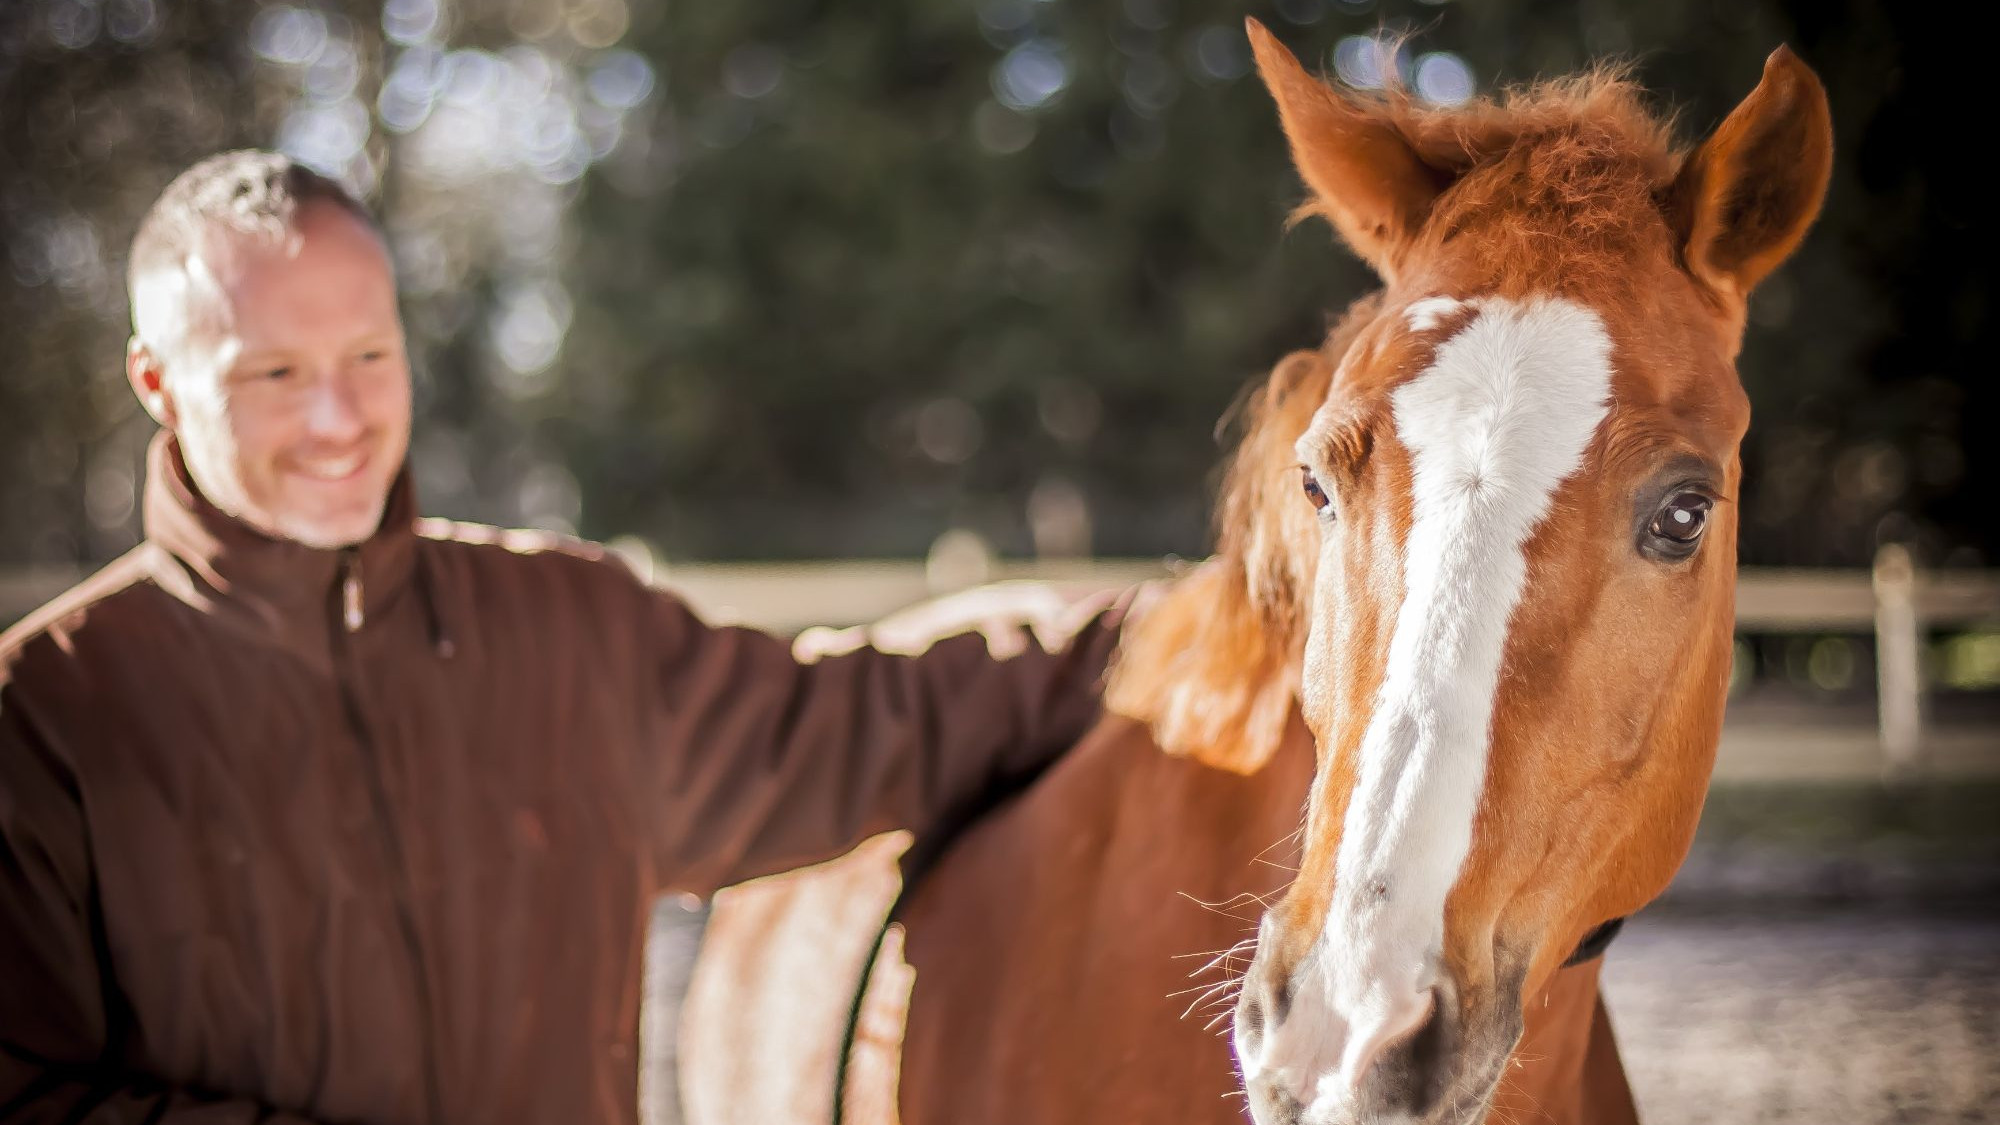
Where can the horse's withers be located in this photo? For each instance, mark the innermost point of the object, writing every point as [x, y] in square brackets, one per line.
[1522, 597]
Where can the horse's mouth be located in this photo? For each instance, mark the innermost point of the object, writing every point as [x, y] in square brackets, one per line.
[1270, 1106]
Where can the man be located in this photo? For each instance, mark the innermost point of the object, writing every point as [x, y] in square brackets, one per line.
[311, 811]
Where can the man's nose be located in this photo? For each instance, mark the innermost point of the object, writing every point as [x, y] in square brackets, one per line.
[333, 410]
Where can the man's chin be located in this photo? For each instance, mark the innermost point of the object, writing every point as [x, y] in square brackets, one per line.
[331, 532]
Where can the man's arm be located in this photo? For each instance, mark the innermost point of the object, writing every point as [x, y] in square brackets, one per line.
[765, 763]
[59, 1050]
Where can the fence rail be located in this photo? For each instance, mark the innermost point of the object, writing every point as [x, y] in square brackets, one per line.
[1896, 603]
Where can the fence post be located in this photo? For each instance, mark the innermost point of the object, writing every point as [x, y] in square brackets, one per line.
[1899, 673]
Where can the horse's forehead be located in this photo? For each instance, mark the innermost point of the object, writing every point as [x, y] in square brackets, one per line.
[1498, 404]
[1509, 384]
[1404, 345]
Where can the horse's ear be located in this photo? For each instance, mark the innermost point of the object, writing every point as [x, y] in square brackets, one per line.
[1367, 178]
[1744, 198]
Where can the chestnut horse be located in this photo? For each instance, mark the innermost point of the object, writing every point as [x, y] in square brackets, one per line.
[1471, 610]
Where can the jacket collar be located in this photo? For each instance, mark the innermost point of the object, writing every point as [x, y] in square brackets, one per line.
[286, 590]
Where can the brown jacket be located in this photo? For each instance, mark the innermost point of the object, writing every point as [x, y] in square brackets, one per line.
[372, 835]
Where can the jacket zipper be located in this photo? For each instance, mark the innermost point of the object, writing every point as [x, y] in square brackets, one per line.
[350, 591]
[352, 619]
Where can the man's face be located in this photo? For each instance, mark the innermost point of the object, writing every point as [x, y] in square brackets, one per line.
[279, 363]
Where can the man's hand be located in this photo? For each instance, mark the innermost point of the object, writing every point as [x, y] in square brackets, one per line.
[1008, 614]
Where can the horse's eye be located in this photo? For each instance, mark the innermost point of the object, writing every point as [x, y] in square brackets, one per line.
[1679, 524]
[1314, 492]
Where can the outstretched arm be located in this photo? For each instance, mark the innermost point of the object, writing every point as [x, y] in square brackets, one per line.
[768, 761]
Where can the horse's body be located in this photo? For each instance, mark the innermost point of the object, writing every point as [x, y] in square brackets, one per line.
[1486, 652]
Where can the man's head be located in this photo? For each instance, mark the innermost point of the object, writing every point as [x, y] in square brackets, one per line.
[266, 337]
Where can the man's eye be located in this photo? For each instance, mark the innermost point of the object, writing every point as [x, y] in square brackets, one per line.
[278, 373]
[1314, 492]
[371, 357]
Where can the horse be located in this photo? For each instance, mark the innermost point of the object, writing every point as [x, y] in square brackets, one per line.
[1376, 781]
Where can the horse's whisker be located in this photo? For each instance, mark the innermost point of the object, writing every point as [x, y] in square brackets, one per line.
[1221, 907]
[1224, 959]
[1251, 940]
[1204, 989]
[1197, 1001]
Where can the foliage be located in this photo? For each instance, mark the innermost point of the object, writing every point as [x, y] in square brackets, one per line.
[800, 278]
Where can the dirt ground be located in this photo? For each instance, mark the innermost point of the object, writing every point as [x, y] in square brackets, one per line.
[1851, 1016]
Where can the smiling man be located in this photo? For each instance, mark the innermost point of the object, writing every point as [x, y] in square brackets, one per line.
[290, 394]
[314, 811]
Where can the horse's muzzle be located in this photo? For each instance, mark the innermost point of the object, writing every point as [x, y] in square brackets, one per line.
[1304, 1064]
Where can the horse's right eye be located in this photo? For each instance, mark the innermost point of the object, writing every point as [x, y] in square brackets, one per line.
[1314, 492]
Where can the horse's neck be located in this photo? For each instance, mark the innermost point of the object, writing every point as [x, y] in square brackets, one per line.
[1207, 674]
[1118, 856]
[1566, 1070]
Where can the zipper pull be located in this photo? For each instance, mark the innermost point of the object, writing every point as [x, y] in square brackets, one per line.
[350, 594]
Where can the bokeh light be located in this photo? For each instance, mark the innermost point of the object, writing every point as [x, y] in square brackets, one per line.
[1366, 62]
[1444, 78]
[1030, 75]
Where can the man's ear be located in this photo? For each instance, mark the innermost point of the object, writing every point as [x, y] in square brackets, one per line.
[1744, 199]
[1366, 177]
[148, 377]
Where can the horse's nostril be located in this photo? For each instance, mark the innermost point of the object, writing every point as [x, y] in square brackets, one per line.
[1412, 1070]
[1427, 1057]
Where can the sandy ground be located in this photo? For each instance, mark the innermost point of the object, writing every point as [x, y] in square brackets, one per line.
[1855, 1016]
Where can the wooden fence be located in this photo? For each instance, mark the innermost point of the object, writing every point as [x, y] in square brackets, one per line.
[1897, 604]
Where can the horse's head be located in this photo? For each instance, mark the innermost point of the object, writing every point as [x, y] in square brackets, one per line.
[1513, 556]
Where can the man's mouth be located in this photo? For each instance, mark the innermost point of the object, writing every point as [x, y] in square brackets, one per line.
[331, 469]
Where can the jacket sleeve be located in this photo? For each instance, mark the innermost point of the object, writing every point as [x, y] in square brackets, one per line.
[767, 761]
[61, 1035]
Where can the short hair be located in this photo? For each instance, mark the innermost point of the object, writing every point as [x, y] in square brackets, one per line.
[248, 191]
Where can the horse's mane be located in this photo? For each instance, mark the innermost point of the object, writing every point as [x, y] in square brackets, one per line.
[1575, 136]
[1213, 668]
[1576, 167]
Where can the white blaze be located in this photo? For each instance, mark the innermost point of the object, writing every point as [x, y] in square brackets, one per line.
[1503, 414]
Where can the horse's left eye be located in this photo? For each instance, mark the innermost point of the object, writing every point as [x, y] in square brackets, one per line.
[1680, 522]
[1314, 492]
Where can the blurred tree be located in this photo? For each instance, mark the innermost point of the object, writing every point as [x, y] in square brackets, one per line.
[802, 279]
[100, 104]
[1875, 402]
[901, 268]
